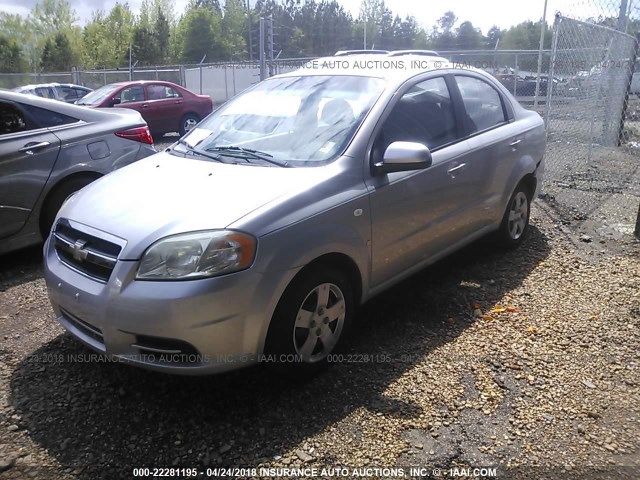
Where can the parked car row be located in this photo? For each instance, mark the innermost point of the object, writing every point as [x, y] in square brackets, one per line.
[165, 106]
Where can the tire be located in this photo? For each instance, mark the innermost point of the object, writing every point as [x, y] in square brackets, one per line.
[189, 121]
[303, 333]
[515, 221]
[55, 200]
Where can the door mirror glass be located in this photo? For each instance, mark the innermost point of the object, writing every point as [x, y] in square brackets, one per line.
[404, 156]
[114, 101]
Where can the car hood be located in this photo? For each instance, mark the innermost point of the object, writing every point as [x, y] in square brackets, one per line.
[164, 194]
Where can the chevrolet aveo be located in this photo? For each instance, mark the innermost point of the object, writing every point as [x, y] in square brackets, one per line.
[257, 235]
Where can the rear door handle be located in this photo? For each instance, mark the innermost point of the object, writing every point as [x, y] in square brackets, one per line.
[452, 171]
[515, 144]
[145, 105]
[30, 148]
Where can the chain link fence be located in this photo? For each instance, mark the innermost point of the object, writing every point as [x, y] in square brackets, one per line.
[593, 131]
[516, 69]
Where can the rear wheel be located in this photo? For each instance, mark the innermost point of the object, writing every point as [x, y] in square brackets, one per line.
[311, 321]
[189, 121]
[515, 222]
[55, 200]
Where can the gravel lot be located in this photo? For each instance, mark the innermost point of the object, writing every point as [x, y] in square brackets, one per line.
[527, 361]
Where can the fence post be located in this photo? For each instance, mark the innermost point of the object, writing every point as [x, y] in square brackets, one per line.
[515, 78]
[263, 73]
[201, 61]
[543, 24]
[552, 68]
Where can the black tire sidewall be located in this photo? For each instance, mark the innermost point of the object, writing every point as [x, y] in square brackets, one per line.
[280, 335]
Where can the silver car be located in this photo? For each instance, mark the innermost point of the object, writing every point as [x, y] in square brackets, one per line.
[258, 234]
[49, 150]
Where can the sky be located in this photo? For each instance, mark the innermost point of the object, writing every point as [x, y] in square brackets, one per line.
[483, 14]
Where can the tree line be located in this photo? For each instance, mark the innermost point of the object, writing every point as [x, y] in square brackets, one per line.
[49, 39]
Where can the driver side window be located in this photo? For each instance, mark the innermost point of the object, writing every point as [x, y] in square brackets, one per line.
[424, 115]
[132, 94]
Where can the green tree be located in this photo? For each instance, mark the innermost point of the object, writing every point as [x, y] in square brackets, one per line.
[525, 36]
[443, 37]
[162, 32]
[11, 57]
[57, 55]
[106, 39]
[233, 26]
[493, 37]
[468, 37]
[200, 33]
[144, 47]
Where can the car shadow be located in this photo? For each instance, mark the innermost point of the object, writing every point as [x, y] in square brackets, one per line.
[93, 415]
[21, 266]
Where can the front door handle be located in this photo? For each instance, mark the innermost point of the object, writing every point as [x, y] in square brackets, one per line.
[457, 169]
[30, 148]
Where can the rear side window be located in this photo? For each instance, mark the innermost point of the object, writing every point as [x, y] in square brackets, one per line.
[160, 92]
[482, 103]
[45, 92]
[48, 118]
[11, 119]
[71, 93]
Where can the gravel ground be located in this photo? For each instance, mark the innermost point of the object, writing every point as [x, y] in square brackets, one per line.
[528, 361]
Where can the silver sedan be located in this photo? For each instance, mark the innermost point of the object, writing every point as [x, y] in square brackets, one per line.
[258, 234]
[49, 150]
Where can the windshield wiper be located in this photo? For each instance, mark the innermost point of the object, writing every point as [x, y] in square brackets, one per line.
[193, 151]
[248, 154]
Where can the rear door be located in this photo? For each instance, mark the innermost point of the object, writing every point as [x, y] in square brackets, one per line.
[494, 140]
[133, 97]
[28, 152]
[165, 106]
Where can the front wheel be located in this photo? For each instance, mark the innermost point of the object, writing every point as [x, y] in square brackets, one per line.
[515, 222]
[311, 320]
[187, 123]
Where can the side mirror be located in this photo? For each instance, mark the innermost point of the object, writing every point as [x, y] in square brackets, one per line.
[114, 101]
[403, 157]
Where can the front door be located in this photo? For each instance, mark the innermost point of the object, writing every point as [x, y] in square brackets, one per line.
[165, 106]
[415, 214]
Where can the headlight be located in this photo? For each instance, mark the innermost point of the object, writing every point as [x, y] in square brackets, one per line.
[197, 255]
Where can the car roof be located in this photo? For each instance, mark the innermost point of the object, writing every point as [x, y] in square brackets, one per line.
[143, 82]
[39, 85]
[394, 66]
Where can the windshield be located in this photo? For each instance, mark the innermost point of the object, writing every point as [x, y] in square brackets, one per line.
[97, 96]
[293, 120]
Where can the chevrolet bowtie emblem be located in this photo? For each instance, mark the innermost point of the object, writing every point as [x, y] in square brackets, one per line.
[78, 252]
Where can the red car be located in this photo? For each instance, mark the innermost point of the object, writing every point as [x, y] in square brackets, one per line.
[165, 106]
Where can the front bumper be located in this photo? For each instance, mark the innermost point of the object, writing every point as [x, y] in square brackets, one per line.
[186, 327]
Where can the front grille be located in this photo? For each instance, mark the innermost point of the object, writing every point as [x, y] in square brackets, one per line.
[90, 255]
[85, 328]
